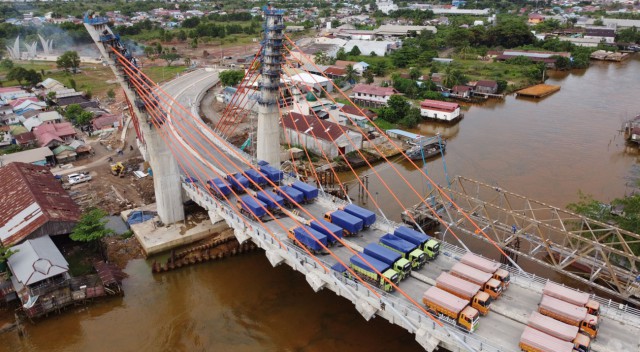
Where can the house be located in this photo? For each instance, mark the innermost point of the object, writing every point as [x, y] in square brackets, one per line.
[27, 139]
[487, 86]
[461, 91]
[25, 104]
[31, 123]
[602, 34]
[48, 117]
[11, 93]
[439, 110]
[311, 81]
[547, 57]
[50, 84]
[64, 154]
[10, 119]
[370, 95]
[318, 136]
[366, 47]
[5, 136]
[6, 110]
[392, 30]
[353, 114]
[80, 100]
[54, 134]
[335, 72]
[34, 204]
[535, 18]
[40, 276]
[106, 122]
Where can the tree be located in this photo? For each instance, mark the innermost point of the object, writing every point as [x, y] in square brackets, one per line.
[341, 54]
[69, 60]
[73, 111]
[7, 64]
[5, 253]
[191, 22]
[321, 58]
[170, 58]
[415, 73]
[182, 35]
[90, 228]
[368, 76]
[17, 73]
[187, 61]
[111, 94]
[335, 24]
[150, 52]
[351, 75]
[72, 83]
[379, 68]
[562, 63]
[355, 51]
[51, 96]
[84, 118]
[33, 77]
[231, 77]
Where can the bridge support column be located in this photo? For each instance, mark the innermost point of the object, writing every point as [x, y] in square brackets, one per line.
[274, 258]
[215, 217]
[166, 178]
[315, 281]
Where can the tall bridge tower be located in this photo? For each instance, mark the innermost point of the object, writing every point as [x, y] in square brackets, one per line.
[268, 139]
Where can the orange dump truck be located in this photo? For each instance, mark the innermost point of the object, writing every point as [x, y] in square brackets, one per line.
[560, 330]
[488, 266]
[569, 314]
[487, 283]
[466, 290]
[572, 296]
[533, 340]
[442, 302]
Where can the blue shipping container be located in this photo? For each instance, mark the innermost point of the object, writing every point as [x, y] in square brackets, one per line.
[367, 216]
[334, 231]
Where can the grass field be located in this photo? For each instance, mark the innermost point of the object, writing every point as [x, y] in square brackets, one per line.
[162, 73]
[516, 75]
[91, 78]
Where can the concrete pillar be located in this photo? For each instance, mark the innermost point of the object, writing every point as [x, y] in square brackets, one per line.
[268, 138]
[166, 178]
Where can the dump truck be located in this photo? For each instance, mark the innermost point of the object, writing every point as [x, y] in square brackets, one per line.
[256, 177]
[427, 244]
[219, 187]
[238, 182]
[368, 217]
[349, 223]
[560, 330]
[572, 296]
[408, 250]
[393, 258]
[273, 201]
[479, 277]
[533, 340]
[466, 290]
[310, 193]
[569, 314]
[367, 272]
[291, 195]
[248, 205]
[332, 231]
[309, 238]
[272, 173]
[488, 266]
[442, 302]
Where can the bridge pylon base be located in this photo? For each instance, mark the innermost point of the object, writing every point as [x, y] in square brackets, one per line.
[366, 309]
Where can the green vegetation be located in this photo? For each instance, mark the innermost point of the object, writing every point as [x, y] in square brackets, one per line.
[91, 227]
[162, 73]
[69, 60]
[399, 110]
[230, 78]
[5, 253]
[628, 220]
[77, 115]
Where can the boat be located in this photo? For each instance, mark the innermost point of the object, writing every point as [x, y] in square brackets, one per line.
[426, 151]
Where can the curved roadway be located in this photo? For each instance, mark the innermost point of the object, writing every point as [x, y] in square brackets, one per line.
[503, 326]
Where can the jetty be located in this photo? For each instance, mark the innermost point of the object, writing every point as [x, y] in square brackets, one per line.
[538, 91]
[603, 55]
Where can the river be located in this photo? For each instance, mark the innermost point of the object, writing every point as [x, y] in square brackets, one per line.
[547, 149]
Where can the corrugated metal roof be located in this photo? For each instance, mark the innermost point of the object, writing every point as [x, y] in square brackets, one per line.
[37, 260]
[31, 197]
[438, 105]
[313, 126]
[27, 156]
[374, 90]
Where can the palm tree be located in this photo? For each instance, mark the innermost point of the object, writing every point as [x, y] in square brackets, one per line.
[351, 75]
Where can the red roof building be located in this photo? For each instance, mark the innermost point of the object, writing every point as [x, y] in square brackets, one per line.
[51, 135]
[33, 204]
[320, 136]
[26, 139]
[104, 121]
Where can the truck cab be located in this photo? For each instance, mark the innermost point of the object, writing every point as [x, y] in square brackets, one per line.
[590, 326]
[503, 276]
[493, 287]
[482, 302]
[582, 343]
[469, 318]
[431, 248]
[593, 307]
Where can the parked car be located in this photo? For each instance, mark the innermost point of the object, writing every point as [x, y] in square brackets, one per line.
[78, 178]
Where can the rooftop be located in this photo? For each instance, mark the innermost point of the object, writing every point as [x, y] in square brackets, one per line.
[437, 104]
[31, 197]
[36, 260]
[310, 124]
[374, 90]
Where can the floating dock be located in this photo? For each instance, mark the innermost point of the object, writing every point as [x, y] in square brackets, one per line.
[603, 55]
[538, 91]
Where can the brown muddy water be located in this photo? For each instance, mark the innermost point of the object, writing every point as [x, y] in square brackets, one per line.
[547, 149]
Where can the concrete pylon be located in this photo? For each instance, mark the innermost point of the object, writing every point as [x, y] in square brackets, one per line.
[268, 136]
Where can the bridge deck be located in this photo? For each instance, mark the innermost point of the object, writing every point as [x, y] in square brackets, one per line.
[502, 326]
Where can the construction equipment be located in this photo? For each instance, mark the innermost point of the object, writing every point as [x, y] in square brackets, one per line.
[117, 169]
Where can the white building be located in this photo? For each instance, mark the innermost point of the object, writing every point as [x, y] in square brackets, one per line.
[386, 6]
[311, 81]
[440, 110]
[370, 95]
